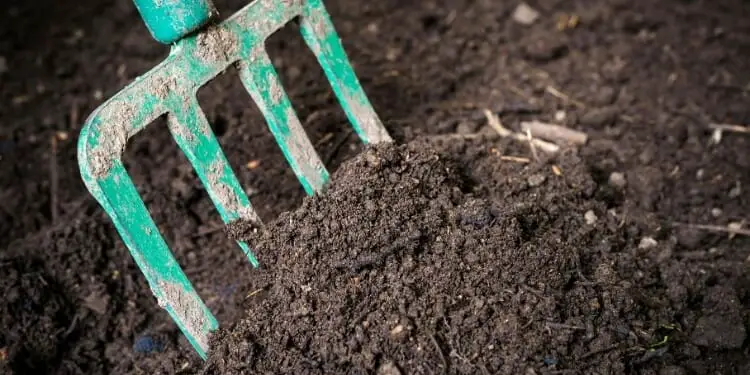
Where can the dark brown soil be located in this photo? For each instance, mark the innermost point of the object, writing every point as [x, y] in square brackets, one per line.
[643, 79]
[419, 262]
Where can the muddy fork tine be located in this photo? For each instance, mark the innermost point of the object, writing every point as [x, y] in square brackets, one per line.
[320, 35]
[193, 134]
[264, 86]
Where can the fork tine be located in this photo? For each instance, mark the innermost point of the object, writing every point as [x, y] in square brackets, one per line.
[169, 284]
[320, 35]
[193, 134]
[264, 86]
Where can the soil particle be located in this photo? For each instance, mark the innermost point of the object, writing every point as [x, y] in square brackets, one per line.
[690, 238]
[646, 182]
[604, 96]
[722, 327]
[544, 48]
[36, 316]
[617, 179]
[599, 117]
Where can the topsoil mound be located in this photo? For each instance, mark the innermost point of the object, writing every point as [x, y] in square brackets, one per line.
[417, 262]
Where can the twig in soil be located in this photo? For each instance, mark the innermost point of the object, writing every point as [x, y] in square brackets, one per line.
[74, 116]
[560, 95]
[733, 228]
[440, 352]
[564, 326]
[72, 326]
[730, 128]
[494, 122]
[531, 145]
[53, 180]
[452, 136]
[598, 351]
[203, 232]
[516, 159]
[554, 133]
[324, 140]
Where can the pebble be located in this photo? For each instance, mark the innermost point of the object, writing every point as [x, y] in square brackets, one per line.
[617, 179]
[560, 116]
[600, 117]
[590, 217]
[647, 243]
[716, 212]
[536, 180]
[388, 368]
[525, 14]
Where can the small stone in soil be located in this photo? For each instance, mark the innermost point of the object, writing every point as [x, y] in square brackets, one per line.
[536, 180]
[647, 243]
[388, 368]
[590, 217]
[617, 179]
[560, 116]
[524, 14]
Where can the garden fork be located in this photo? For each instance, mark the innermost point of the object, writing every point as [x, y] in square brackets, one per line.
[200, 50]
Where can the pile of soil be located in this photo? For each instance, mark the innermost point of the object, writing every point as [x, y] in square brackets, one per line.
[419, 261]
[643, 79]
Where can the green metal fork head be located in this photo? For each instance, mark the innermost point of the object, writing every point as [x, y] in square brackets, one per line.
[170, 88]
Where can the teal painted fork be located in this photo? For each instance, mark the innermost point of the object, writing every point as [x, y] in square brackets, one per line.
[201, 49]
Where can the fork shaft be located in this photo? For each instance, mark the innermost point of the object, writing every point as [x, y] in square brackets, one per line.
[170, 21]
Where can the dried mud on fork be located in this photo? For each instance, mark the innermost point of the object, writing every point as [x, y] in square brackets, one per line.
[498, 264]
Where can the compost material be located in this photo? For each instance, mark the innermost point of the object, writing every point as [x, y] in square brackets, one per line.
[420, 261]
[640, 290]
